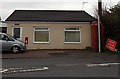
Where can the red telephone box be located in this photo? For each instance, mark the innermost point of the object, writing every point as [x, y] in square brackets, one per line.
[94, 35]
[26, 40]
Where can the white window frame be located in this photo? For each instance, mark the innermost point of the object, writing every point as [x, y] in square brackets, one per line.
[72, 31]
[20, 31]
[41, 30]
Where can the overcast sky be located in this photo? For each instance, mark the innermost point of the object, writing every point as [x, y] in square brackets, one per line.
[8, 6]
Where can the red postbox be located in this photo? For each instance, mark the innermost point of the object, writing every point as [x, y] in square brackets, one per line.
[26, 40]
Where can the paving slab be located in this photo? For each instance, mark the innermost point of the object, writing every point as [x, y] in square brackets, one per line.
[56, 53]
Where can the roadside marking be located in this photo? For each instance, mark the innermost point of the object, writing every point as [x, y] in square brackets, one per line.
[104, 64]
[15, 70]
[1, 71]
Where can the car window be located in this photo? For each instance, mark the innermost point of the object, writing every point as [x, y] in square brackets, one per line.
[4, 37]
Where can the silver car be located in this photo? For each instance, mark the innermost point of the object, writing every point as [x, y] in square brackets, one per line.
[9, 43]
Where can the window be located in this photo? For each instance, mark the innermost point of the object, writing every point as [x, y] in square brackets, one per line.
[41, 35]
[72, 35]
[3, 37]
[17, 32]
[3, 29]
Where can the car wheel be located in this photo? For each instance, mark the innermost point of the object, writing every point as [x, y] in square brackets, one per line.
[15, 49]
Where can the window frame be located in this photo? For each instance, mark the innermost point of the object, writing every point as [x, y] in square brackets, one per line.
[41, 31]
[72, 31]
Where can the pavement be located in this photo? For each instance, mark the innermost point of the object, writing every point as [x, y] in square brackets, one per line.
[56, 53]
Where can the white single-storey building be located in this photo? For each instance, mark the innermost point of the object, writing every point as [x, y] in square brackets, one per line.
[51, 29]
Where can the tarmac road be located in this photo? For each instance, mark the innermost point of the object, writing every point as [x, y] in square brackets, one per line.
[63, 66]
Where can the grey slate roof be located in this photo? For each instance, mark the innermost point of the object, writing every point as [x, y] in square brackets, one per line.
[50, 16]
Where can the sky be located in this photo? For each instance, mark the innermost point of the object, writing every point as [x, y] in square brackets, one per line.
[7, 7]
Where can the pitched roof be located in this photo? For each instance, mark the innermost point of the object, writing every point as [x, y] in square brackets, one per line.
[50, 16]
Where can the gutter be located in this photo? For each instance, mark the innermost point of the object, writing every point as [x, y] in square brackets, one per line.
[42, 22]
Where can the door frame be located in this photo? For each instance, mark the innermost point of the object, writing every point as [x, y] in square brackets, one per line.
[20, 31]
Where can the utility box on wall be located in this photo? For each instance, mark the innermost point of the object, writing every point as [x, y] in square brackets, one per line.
[94, 35]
